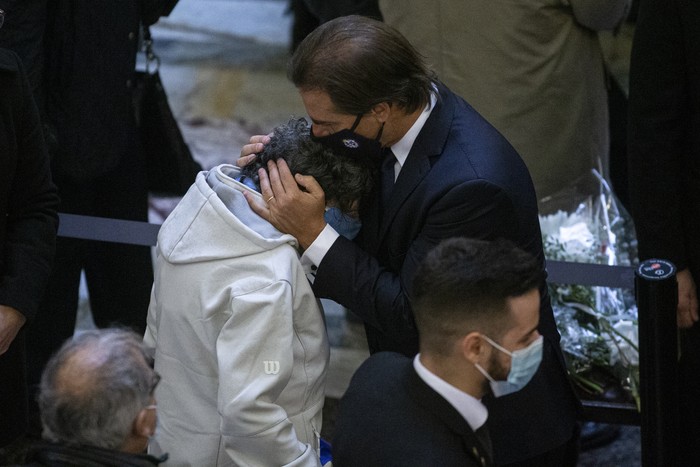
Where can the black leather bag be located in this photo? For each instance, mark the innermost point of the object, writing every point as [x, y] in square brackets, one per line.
[170, 167]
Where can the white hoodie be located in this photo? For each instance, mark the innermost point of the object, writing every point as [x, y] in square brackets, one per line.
[240, 339]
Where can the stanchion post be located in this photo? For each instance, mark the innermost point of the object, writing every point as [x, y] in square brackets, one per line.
[656, 292]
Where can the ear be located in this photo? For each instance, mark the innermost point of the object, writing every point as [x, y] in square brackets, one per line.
[143, 425]
[472, 347]
[382, 111]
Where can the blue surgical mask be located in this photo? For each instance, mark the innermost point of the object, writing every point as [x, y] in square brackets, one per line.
[523, 366]
[345, 224]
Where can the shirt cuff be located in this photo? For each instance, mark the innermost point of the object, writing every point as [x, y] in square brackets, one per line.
[315, 253]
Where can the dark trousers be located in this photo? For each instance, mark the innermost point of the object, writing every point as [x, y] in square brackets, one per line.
[689, 398]
[119, 277]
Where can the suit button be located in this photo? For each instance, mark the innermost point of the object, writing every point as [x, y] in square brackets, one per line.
[132, 36]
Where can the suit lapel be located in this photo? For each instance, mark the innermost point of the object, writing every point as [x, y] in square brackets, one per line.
[434, 403]
[426, 148]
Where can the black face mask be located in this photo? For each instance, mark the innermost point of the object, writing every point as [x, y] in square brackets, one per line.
[350, 144]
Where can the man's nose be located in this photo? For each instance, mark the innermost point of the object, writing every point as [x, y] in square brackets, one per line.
[319, 132]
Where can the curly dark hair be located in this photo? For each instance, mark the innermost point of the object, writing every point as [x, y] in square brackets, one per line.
[345, 181]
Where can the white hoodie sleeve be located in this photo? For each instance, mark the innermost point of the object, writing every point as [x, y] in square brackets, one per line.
[150, 337]
[255, 358]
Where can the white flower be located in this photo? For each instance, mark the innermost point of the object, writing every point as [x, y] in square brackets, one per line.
[624, 349]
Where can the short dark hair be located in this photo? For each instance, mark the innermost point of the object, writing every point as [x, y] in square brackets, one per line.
[361, 62]
[344, 180]
[93, 388]
[462, 286]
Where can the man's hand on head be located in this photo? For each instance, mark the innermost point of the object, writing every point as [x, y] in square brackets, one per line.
[250, 150]
[293, 204]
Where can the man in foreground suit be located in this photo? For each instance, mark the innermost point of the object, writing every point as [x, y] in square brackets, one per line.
[364, 86]
[476, 305]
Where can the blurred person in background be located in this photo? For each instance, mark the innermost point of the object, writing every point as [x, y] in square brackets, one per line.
[534, 70]
[664, 171]
[82, 59]
[28, 224]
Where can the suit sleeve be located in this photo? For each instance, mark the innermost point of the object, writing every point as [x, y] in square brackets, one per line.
[257, 431]
[154, 9]
[475, 209]
[31, 219]
[658, 126]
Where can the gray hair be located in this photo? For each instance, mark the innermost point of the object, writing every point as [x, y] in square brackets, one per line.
[93, 388]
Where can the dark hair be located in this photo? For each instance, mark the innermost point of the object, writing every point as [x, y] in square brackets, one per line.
[344, 180]
[463, 284]
[93, 388]
[361, 62]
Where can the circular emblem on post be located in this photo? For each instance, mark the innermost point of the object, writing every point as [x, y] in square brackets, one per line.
[656, 269]
[350, 143]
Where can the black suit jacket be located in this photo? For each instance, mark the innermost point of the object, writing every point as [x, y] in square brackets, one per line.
[664, 131]
[28, 224]
[461, 178]
[664, 168]
[390, 417]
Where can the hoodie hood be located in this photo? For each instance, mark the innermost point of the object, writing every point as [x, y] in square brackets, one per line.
[214, 221]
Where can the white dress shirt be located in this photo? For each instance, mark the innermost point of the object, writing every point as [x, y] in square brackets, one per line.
[471, 408]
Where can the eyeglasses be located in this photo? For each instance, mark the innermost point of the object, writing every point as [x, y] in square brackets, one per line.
[2, 17]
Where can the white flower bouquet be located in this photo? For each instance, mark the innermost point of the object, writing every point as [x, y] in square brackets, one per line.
[598, 325]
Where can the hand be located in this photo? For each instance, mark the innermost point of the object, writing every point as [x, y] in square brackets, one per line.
[288, 207]
[11, 321]
[687, 313]
[248, 152]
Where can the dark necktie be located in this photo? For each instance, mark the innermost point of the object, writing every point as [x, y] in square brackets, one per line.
[387, 182]
[482, 434]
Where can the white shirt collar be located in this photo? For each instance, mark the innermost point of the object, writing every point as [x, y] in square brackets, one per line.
[471, 408]
[403, 146]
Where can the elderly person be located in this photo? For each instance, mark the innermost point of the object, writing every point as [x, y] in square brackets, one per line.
[239, 336]
[96, 402]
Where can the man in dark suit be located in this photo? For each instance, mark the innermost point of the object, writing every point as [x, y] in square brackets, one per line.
[664, 174]
[81, 57]
[476, 305]
[28, 223]
[365, 87]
